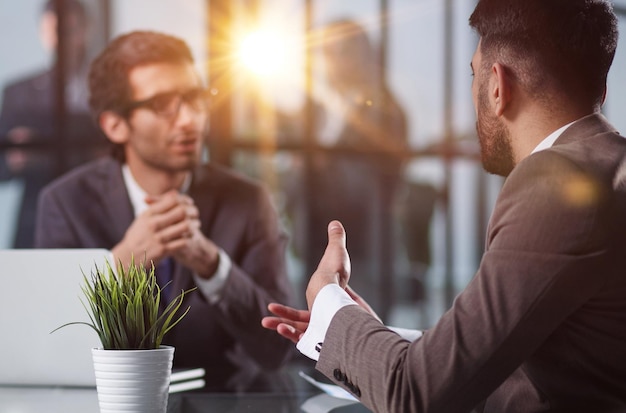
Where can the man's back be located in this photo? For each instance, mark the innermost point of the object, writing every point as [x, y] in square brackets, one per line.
[575, 332]
[541, 325]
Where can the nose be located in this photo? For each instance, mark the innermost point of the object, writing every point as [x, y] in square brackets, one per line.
[188, 115]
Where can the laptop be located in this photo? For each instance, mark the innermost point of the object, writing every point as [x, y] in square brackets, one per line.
[40, 290]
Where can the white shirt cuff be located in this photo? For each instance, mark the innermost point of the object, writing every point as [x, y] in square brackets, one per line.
[212, 287]
[329, 300]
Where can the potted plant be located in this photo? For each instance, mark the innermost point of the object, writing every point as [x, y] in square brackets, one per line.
[132, 368]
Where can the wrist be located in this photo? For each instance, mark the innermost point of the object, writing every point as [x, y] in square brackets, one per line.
[210, 263]
[315, 286]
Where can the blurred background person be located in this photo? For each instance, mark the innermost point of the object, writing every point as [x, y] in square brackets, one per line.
[30, 109]
[362, 131]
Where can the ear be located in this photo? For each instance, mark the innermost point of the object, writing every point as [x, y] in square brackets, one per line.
[500, 87]
[115, 127]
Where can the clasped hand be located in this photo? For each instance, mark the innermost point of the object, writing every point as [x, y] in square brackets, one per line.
[170, 226]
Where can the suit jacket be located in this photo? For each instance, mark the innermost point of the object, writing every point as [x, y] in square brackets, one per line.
[30, 102]
[542, 325]
[89, 208]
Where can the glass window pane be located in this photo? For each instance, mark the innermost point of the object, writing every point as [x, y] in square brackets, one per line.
[45, 124]
[182, 18]
[282, 175]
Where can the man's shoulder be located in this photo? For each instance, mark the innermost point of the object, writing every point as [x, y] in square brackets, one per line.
[88, 174]
[32, 81]
[587, 163]
[590, 145]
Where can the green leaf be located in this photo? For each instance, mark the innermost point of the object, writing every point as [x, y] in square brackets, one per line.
[123, 306]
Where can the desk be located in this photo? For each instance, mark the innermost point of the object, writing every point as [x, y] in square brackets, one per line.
[23, 399]
[38, 399]
[85, 400]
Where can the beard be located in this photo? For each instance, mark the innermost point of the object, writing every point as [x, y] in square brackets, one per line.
[496, 152]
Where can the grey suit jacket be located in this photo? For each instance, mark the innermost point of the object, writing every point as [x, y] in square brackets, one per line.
[542, 325]
[89, 208]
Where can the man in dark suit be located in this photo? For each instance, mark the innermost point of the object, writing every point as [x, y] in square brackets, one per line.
[29, 115]
[542, 326]
[202, 225]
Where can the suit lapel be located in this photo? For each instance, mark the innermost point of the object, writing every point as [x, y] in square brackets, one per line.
[116, 201]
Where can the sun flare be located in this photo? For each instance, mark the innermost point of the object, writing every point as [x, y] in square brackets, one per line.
[264, 53]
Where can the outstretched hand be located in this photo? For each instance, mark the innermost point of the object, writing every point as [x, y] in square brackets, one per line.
[292, 323]
[334, 268]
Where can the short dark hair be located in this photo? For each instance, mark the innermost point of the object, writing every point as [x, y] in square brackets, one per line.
[109, 85]
[562, 46]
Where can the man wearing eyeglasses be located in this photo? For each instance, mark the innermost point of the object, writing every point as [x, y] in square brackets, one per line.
[201, 225]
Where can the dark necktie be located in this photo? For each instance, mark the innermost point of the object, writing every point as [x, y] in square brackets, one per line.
[164, 273]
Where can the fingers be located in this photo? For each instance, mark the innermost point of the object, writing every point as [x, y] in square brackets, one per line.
[181, 231]
[289, 313]
[172, 217]
[170, 223]
[283, 328]
[167, 200]
[289, 332]
[177, 212]
[288, 322]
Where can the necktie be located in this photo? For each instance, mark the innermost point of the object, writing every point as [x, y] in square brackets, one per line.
[164, 275]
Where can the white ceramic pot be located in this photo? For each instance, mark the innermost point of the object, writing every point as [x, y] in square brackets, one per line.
[133, 381]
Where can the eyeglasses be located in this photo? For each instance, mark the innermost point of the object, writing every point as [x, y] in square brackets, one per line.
[167, 104]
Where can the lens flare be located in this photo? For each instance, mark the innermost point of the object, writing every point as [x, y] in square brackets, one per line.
[263, 53]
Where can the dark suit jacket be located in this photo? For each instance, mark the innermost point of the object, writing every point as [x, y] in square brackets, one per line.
[31, 102]
[89, 207]
[542, 325]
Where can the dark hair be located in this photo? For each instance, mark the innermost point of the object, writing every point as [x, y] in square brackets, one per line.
[559, 46]
[109, 85]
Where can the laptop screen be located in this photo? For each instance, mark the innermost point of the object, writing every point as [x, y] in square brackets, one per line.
[40, 291]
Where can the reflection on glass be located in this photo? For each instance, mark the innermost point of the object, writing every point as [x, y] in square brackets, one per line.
[355, 174]
[30, 114]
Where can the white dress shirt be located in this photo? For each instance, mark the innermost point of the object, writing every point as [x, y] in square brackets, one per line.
[332, 298]
[210, 288]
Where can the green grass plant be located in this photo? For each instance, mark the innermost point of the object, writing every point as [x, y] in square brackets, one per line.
[123, 307]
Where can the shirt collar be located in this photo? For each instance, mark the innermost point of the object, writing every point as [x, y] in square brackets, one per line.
[136, 193]
[549, 141]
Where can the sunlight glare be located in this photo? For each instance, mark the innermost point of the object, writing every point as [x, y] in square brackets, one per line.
[264, 53]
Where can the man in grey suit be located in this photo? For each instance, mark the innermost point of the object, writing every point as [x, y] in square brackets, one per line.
[542, 326]
[202, 225]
